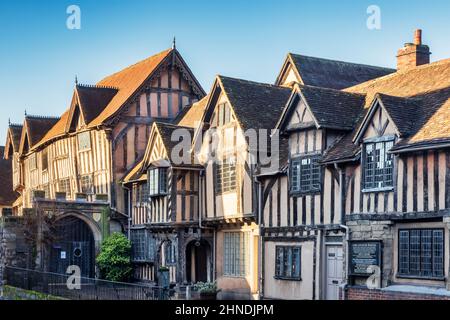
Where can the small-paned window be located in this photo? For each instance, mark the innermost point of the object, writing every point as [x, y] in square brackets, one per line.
[32, 162]
[288, 263]
[224, 115]
[45, 159]
[305, 174]
[378, 165]
[87, 185]
[142, 246]
[170, 253]
[157, 181]
[421, 253]
[225, 177]
[64, 186]
[84, 141]
[235, 260]
[46, 189]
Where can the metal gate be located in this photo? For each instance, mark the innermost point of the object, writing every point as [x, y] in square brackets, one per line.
[73, 245]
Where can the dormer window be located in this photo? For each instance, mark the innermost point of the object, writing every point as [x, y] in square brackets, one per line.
[157, 181]
[378, 165]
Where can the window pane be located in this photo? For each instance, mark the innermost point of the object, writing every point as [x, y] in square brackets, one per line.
[84, 141]
[378, 165]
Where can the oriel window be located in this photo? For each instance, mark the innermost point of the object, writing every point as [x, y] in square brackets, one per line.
[157, 181]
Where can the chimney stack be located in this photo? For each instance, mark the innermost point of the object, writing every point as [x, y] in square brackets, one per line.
[413, 54]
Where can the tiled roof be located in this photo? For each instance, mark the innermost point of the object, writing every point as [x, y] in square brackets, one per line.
[37, 127]
[14, 134]
[333, 108]
[166, 130]
[93, 100]
[256, 105]
[7, 195]
[194, 114]
[111, 93]
[418, 99]
[128, 81]
[334, 74]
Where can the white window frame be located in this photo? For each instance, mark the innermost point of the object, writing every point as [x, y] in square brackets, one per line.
[86, 144]
[236, 247]
[387, 143]
[305, 178]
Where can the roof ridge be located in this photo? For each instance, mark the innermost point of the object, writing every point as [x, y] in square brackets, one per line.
[15, 125]
[135, 64]
[167, 124]
[96, 86]
[254, 82]
[398, 73]
[39, 117]
[330, 89]
[341, 61]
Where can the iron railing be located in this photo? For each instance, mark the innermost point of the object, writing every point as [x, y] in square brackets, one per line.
[56, 285]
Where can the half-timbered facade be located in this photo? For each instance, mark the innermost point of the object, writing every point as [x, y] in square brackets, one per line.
[79, 159]
[397, 173]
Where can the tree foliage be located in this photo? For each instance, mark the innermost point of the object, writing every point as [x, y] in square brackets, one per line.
[114, 260]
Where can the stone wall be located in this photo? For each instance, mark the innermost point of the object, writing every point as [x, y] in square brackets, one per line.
[376, 230]
[14, 250]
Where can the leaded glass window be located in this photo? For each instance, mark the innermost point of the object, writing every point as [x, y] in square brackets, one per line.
[378, 165]
[157, 181]
[421, 253]
[64, 186]
[235, 258]
[142, 246]
[87, 185]
[84, 141]
[305, 174]
[288, 262]
[225, 177]
[170, 253]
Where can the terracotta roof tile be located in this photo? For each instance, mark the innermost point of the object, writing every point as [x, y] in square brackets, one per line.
[194, 114]
[425, 89]
[128, 81]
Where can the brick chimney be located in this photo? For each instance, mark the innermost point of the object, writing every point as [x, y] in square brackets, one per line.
[413, 54]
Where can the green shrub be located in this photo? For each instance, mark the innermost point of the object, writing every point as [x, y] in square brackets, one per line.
[206, 287]
[114, 260]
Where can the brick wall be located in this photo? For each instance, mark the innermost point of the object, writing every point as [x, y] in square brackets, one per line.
[358, 293]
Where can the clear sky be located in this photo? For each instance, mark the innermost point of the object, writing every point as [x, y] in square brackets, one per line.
[40, 56]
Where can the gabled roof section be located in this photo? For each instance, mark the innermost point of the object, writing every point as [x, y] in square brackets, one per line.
[93, 100]
[13, 139]
[332, 109]
[7, 195]
[193, 115]
[130, 80]
[256, 105]
[331, 74]
[426, 88]
[165, 131]
[34, 129]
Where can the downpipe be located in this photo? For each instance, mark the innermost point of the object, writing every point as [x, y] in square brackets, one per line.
[129, 211]
[260, 244]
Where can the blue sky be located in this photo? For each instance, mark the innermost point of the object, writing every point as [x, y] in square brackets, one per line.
[40, 57]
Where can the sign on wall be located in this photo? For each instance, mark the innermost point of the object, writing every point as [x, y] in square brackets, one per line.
[364, 254]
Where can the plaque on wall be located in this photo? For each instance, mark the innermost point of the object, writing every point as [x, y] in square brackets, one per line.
[364, 254]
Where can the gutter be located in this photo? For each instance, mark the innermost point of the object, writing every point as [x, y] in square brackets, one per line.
[200, 224]
[260, 244]
[129, 210]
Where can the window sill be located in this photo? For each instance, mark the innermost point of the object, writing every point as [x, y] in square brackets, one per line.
[288, 279]
[376, 190]
[297, 194]
[403, 276]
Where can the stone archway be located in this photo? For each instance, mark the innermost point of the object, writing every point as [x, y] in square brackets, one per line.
[75, 242]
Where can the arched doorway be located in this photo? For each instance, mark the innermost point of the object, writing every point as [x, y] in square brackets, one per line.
[197, 261]
[72, 244]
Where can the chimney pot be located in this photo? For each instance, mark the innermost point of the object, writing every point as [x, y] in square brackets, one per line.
[418, 37]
